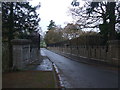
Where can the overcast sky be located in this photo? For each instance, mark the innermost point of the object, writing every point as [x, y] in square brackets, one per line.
[56, 10]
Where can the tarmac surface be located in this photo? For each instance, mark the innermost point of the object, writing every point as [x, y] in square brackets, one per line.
[80, 75]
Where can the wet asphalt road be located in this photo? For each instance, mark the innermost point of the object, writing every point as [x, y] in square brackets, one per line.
[79, 75]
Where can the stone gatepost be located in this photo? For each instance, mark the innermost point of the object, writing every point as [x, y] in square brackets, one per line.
[21, 52]
[114, 51]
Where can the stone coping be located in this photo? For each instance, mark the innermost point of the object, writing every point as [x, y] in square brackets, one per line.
[117, 42]
[20, 41]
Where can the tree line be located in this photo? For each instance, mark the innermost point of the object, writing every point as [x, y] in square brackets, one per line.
[103, 16]
[57, 34]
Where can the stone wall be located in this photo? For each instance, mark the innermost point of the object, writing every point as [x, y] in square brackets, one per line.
[108, 54]
[23, 53]
[34, 54]
[5, 56]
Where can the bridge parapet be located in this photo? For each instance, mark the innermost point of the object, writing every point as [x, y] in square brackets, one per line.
[106, 53]
[114, 51]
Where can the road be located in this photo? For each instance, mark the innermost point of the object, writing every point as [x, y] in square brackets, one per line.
[80, 75]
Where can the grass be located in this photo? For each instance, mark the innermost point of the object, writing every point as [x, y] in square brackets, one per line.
[28, 79]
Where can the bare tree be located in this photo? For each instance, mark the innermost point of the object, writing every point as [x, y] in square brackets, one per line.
[102, 15]
[71, 31]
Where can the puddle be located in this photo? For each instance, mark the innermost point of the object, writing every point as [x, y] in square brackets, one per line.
[45, 65]
[42, 53]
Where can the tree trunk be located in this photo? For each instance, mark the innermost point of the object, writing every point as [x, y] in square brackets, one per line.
[112, 20]
[10, 36]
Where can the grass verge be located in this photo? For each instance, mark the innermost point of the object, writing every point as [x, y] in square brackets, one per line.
[28, 79]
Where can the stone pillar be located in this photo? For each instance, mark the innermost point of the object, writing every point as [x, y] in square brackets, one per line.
[35, 54]
[114, 51]
[21, 53]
